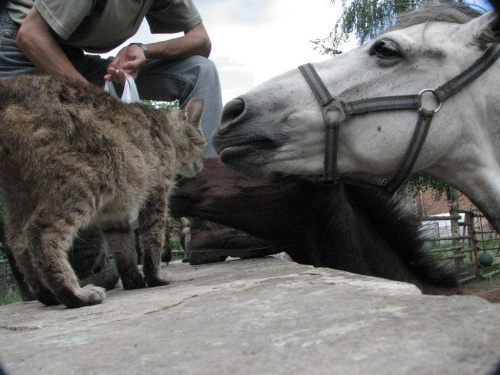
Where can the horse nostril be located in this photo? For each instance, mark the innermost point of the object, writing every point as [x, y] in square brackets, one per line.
[232, 111]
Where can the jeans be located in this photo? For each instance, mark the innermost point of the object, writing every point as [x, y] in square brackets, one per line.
[158, 80]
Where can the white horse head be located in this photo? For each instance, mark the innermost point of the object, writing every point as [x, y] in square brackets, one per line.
[278, 126]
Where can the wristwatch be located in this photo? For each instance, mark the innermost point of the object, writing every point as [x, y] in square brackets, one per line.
[143, 46]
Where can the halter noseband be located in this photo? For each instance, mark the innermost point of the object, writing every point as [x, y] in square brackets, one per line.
[335, 110]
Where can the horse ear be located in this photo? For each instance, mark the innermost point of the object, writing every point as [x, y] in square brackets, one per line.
[193, 111]
[486, 28]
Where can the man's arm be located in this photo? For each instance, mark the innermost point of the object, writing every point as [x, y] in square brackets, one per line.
[194, 42]
[37, 42]
[131, 58]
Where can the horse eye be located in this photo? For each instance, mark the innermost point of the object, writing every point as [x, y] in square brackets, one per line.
[385, 49]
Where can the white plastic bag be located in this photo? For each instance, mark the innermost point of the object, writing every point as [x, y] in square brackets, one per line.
[130, 94]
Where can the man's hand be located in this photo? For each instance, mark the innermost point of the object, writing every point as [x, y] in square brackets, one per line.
[129, 60]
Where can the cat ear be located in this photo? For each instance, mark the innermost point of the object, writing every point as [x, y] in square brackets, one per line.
[193, 111]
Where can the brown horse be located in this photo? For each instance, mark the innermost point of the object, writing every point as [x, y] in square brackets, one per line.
[346, 227]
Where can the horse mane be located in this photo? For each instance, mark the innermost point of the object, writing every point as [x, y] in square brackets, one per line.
[432, 11]
[401, 230]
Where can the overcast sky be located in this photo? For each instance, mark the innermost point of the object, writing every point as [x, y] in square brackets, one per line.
[254, 40]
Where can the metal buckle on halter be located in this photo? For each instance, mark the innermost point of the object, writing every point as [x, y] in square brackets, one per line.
[333, 112]
[439, 102]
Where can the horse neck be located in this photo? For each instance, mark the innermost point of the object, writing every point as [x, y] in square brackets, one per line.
[284, 210]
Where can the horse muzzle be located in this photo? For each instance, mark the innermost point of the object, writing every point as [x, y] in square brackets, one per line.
[240, 133]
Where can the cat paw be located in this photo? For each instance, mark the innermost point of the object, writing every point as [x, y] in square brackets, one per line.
[157, 280]
[86, 296]
[93, 295]
[135, 281]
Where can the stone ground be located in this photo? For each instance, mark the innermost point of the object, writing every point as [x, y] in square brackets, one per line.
[257, 316]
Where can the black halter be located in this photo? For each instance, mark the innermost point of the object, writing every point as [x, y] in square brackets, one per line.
[335, 110]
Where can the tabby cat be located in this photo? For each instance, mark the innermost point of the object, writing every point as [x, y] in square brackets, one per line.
[72, 156]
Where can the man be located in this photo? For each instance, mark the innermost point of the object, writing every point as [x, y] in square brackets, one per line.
[51, 36]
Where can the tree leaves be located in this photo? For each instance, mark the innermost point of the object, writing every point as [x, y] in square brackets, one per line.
[365, 19]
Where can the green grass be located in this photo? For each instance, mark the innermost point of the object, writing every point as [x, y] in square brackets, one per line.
[10, 297]
[177, 253]
[175, 244]
[490, 246]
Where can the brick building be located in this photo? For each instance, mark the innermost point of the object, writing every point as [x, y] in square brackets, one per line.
[427, 205]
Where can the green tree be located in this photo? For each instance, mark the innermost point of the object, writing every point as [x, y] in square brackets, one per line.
[365, 19]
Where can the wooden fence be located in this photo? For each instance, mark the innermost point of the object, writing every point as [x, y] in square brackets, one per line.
[460, 240]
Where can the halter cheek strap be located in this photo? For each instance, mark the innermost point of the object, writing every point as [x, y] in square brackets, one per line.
[336, 110]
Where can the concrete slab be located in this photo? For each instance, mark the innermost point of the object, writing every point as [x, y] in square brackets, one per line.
[258, 316]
